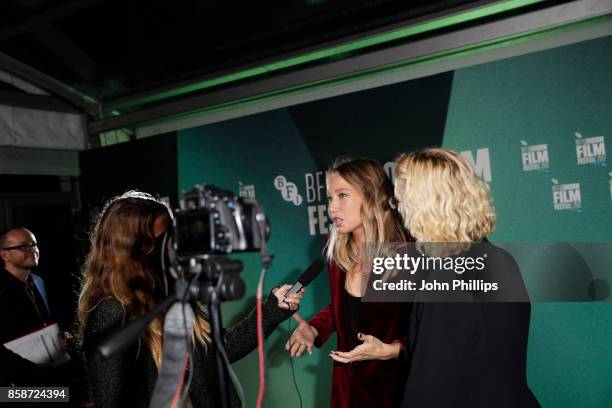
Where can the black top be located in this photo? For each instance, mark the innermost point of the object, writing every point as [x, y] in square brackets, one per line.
[470, 354]
[350, 305]
[128, 379]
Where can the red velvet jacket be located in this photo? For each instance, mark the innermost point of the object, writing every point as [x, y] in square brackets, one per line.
[373, 383]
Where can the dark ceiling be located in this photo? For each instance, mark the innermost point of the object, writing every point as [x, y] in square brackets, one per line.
[110, 49]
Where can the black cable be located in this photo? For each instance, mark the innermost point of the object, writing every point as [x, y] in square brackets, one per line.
[220, 347]
[233, 376]
[163, 262]
[295, 384]
[222, 352]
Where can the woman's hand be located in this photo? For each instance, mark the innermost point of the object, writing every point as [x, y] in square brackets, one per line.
[303, 337]
[290, 302]
[371, 349]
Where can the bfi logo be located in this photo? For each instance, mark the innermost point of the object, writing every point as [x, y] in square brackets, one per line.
[566, 196]
[289, 190]
[590, 150]
[535, 157]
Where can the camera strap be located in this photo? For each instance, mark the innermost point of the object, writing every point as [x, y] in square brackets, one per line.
[178, 329]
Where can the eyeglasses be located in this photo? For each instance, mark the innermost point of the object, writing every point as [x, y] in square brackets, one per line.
[23, 247]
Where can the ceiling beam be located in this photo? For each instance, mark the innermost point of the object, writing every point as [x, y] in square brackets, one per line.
[549, 21]
[341, 47]
[59, 89]
[21, 84]
[38, 102]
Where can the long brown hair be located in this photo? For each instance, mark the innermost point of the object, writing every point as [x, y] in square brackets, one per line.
[381, 222]
[120, 265]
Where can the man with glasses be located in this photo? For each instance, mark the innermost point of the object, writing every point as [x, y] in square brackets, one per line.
[24, 307]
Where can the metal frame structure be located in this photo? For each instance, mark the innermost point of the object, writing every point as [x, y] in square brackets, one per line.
[338, 48]
[39, 79]
[467, 35]
[573, 21]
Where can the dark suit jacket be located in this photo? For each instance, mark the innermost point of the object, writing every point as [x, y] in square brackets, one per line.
[474, 353]
[373, 383]
[18, 317]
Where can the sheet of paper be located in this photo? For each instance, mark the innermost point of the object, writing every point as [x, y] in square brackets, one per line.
[40, 347]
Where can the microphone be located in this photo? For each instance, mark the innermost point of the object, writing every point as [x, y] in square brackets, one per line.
[308, 276]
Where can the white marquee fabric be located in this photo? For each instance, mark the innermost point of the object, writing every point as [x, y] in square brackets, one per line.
[31, 128]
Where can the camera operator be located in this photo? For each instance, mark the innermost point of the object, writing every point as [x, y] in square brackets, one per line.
[122, 281]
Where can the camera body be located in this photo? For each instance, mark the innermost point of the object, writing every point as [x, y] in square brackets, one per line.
[210, 224]
[213, 221]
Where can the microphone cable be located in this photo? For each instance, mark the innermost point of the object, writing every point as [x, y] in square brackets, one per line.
[295, 384]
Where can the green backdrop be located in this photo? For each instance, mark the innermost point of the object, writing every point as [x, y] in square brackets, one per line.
[546, 98]
[499, 114]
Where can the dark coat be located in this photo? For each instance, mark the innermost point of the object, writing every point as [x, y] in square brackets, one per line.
[473, 353]
[18, 317]
[373, 383]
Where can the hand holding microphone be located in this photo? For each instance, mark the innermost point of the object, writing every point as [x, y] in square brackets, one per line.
[308, 276]
[289, 296]
[286, 300]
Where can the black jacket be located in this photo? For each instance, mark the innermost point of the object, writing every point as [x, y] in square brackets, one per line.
[18, 317]
[128, 379]
[471, 353]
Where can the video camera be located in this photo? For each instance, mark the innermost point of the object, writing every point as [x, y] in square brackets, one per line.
[209, 224]
[214, 221]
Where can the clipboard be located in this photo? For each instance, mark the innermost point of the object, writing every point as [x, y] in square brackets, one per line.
[40, 347]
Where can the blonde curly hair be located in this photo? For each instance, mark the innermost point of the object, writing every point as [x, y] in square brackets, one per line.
[441, 198]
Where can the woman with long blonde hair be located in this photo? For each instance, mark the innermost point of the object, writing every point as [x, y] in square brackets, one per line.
[367, 371]
[122, 280]
[471, 351]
